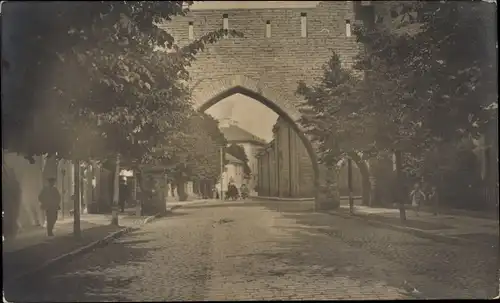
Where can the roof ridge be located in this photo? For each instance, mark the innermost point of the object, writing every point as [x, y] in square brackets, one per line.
[241, 130]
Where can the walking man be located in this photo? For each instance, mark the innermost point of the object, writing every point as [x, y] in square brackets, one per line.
[50, 201]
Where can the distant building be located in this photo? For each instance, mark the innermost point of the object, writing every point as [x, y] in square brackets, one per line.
[233, 173]
[284, 165]
[250, 143]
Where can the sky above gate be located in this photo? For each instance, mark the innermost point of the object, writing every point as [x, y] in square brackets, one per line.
[249, 114]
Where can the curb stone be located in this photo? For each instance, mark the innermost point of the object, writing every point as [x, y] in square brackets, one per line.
[282, 199]
[409, 230]
[178, 206]
[82, 250]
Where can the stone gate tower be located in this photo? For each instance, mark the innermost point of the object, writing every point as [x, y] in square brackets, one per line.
[280, 47]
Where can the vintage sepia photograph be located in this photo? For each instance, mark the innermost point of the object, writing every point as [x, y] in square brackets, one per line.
[249, 150]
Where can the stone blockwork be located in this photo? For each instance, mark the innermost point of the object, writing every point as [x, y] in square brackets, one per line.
[267, 68]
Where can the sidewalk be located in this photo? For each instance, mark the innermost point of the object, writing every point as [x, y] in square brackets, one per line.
[33, 248]
[460, 228]
[171, 205]
[64, 227]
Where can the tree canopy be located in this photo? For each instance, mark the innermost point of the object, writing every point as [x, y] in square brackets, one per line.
[197, 155]
[426, 76]
[238, 152]
[88, 80]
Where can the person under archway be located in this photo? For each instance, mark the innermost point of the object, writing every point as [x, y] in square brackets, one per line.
[244, 191]
[232, 192]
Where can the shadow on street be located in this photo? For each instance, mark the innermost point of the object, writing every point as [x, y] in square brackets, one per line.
[464, 268]
[89, 285]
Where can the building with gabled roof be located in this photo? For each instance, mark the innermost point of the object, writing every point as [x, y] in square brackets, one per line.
[250, 143]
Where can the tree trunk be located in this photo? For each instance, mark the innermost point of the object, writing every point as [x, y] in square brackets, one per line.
[140, 199]
[116, 192]
[373, 191]
[349, 185]
[327, 195]
[172, 189]
[76, 200]
[90, 188]
[399, 186]
[365, 177]
[181, 190]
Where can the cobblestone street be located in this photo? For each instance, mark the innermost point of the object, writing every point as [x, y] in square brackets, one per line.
[266, 251]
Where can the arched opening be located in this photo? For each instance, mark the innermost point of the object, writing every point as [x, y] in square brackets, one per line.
[271, 104]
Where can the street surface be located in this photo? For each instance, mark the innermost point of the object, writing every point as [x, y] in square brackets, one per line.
[266, 251]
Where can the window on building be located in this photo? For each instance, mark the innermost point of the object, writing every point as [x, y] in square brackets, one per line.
[191, 31]
[268, 29]
[348, 28]
[225, 23]
[303, 24]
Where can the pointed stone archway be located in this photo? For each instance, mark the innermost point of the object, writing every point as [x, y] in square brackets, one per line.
[208, 92]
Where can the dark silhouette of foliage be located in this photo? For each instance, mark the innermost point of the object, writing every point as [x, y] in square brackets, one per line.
[239, 153]
[426, 76]
[92, 79]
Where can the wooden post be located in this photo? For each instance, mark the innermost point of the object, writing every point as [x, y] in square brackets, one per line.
[349, 185]
[63, 190]
[221, 173]
[76, 201]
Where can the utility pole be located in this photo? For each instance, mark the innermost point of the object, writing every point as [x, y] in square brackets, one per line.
[221, 172]
[76, 200]
[63, 190]
[349, 185]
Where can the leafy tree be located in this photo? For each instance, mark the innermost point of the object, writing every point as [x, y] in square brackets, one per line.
[328, 106]
[427, 89]
[98, 85]
[93, 80]
[197, 155]
[451, 82]
[239, 153]
[419, 90]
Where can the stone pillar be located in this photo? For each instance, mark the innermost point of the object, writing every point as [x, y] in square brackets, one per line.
[327, 195]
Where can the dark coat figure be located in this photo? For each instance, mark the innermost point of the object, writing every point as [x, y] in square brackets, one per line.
[232, 192]
[50, 201]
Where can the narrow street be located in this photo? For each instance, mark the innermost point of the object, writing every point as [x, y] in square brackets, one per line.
[265, 251]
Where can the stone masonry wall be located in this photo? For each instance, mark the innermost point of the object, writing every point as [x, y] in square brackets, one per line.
[268, 68]
[277, 62]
